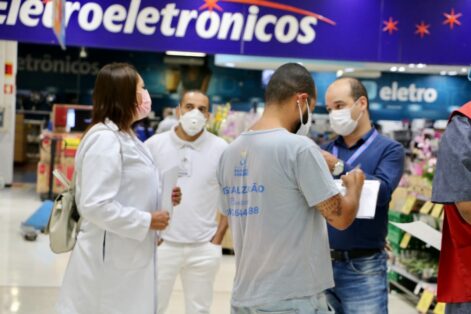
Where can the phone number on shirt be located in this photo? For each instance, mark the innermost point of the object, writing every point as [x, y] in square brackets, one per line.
[242, 212]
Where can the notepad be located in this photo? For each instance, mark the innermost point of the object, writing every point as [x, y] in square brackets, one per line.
[368, 199]
[169, 181]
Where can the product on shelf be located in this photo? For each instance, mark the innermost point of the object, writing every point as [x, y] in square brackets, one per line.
[64, 160]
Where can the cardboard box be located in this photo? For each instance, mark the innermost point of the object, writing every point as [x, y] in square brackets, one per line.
[67, 145]
[45, 147]
[20, 151]
[20, 148]
[42, 184]
[70, 146]
[20, 139]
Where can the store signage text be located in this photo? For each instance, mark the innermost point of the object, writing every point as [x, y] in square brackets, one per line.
[174, 22]
[46, 64]
[408, 94]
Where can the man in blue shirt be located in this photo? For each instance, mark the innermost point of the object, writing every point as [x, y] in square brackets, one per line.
[358, 253]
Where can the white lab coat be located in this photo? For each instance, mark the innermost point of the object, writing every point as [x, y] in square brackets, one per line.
[112, 267]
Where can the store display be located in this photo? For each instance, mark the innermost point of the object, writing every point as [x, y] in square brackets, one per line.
[71, 118]
[62, 158]
[230, 124]
[415, 223]
[218, 116]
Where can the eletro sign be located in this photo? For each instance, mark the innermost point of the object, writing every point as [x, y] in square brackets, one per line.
[408, 94]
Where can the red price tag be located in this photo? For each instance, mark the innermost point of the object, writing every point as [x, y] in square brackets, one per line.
[8, 69]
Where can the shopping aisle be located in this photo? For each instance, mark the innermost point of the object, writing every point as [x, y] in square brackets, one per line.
[30, 273]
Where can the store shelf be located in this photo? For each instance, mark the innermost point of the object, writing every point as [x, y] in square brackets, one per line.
[32, 132]
[423, 232]
[33, 140]
[414, 297]
[420, 283]
[422, 198]
[34, 112]
[34, 122]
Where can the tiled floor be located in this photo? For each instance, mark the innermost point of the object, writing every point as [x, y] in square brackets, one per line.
[30, 274]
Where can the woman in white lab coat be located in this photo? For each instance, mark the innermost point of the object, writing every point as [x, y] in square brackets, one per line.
[112, 267]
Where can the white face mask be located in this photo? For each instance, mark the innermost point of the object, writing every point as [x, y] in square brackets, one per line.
[193, 122]
[304, 128]
[341, 121]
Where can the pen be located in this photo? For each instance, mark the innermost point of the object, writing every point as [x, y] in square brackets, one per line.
[356, 167]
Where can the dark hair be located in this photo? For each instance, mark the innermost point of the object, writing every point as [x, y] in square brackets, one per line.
[114, 95]
[357, 89]
[289, 79]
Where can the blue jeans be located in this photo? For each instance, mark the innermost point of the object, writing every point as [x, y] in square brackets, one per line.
[308, 305]
[361, 285]
[458, 308]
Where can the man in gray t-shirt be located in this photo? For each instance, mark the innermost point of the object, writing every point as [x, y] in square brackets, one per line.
[270, 181]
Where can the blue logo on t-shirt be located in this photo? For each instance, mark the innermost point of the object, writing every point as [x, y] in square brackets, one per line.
[241, 170]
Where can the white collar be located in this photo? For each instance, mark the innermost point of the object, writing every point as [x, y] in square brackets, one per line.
[196, 145]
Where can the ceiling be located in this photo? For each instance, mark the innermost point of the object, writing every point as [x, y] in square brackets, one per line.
[357, 69]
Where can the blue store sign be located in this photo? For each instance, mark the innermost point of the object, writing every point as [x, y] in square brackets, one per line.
[417, 96]
[361, 30]
[407, 96]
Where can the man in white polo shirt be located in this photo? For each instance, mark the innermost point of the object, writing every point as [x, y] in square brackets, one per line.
[191, 243]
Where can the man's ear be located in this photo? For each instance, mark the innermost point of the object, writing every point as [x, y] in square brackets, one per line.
[303, 97]
[363, 103]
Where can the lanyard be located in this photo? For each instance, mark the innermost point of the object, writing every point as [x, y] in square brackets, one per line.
[359, 151]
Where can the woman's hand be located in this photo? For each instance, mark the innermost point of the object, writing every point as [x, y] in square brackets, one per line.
[176, 196]
[159, 220]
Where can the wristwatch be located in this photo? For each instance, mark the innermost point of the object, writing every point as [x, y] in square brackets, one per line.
[338, 168]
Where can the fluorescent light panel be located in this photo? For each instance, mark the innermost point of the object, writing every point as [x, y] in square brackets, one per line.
[185, 54]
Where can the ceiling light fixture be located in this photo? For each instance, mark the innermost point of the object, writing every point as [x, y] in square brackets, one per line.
[402, 69]
[185, 54]
[394, 69]
[83, 53]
